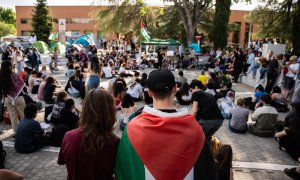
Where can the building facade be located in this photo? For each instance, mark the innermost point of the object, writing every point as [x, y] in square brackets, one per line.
[78, 21]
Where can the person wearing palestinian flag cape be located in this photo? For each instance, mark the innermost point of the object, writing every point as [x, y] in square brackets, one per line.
[163, 143]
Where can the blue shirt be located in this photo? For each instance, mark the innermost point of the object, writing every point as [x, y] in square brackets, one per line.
[258, 94]
[27, 130]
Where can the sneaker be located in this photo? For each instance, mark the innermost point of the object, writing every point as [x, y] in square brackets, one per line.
[292, 173]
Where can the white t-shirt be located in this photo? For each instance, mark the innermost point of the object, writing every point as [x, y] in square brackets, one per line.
[122, 70]
[293, 67]
[135, 91]
[107, 72]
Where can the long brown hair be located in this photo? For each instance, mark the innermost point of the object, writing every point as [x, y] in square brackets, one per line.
[97, 120]
[223, 155]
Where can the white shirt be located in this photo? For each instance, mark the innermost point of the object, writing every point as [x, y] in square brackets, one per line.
[107, 72]
[135, 91]
[294, 67]
[122, 70]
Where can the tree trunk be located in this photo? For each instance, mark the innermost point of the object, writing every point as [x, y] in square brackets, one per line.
[190, 37]
[296, 29]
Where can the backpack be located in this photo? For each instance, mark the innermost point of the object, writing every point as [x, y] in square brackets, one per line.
[2, 155]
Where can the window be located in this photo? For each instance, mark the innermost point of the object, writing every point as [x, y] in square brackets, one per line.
[25, 21]
[88, 32]
[25, 33]
[79, 21]
[236, 34]
[55, 20]
[75, 32]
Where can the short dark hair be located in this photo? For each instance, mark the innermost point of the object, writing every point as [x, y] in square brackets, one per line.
[229, 85]
[260, 88]
[127, 101]
[276, 89]
[69, 103]
[210, 85]
[197, 83]
[266, 98]
[30, 111]
[180, 73]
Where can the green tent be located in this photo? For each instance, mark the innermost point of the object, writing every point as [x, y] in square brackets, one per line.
[61, 48]
[161, 42]
[42, 47]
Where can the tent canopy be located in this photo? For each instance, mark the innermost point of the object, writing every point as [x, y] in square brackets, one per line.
[42, 47]
[195, 47]
[161, 42]
[61, 48]
[8, 38]
[85, 40]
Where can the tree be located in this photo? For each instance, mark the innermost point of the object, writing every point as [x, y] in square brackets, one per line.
[279, 19]
[7, 16]
[41, 21]
[219, 33]
[6, 29]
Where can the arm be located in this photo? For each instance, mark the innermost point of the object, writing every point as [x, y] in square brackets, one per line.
[231, 174]
[195, 108]
[280, 134]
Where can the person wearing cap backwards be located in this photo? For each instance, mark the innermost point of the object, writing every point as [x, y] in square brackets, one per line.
[163, 143]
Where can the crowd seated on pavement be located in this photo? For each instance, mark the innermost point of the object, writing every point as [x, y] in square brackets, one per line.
[211, 104]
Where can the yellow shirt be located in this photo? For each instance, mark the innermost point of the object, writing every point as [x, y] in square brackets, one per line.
[203, 79]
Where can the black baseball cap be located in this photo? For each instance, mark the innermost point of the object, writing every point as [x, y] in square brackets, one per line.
[161, 80]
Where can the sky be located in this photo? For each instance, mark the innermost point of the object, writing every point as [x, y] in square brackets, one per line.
[13, 3]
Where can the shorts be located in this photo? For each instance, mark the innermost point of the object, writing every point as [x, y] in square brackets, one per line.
[288, 82]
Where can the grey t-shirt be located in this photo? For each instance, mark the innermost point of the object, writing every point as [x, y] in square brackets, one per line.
[239, 118]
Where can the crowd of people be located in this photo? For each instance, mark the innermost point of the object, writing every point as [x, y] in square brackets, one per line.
[91, 150]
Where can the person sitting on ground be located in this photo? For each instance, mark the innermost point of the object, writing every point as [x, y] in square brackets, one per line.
[205, 109]
[135, 90]
[118, 92]
[293, 173]
[107, 71]
[30, 136]
[289, 138]
[31, 79]
[154, 129]
[210, 89]
[265, 118]
[41, 90]
[128, 108]
[223, 158]
[60, 104]
[69, 115]
[184, 95]
[253, 102]
[135, 76]
[89, 151]
[181, 79]
[144, 84]
[278, 100]
[50, 86]
[227, 104]
[203, 78]
[77, 84]
[122, 69]
[214, 79]
[228, 88]
[70, 71]
[239, 118]
[36, 83]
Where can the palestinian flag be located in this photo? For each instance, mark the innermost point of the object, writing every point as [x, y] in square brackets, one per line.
[53, 36]
[159, 145]
[144, 31]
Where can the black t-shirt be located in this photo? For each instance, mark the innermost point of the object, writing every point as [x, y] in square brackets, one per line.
[223, 172]
[273, 66]
[49, 90]
[68, 118]
[207, 106]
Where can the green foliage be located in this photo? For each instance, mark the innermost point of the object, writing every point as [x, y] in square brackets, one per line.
[7, 16]
[6, 29]
[41, 21]
[279, 19]
[219, 33]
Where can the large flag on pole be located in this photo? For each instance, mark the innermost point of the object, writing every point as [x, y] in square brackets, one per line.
[144, 32]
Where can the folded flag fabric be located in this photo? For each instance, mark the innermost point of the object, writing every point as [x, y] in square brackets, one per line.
[159, 145]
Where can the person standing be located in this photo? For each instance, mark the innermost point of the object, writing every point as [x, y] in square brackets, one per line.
[272, 74]
[89, 151]
[147, 149]
[293, 70]
[11, 86]
[95, 74]
[35, 59]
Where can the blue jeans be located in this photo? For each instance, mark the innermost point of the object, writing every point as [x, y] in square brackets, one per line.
[210, 127]
[254, 70]
[94, 82]
[263, 72]
[225, 115]
[122, 124]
